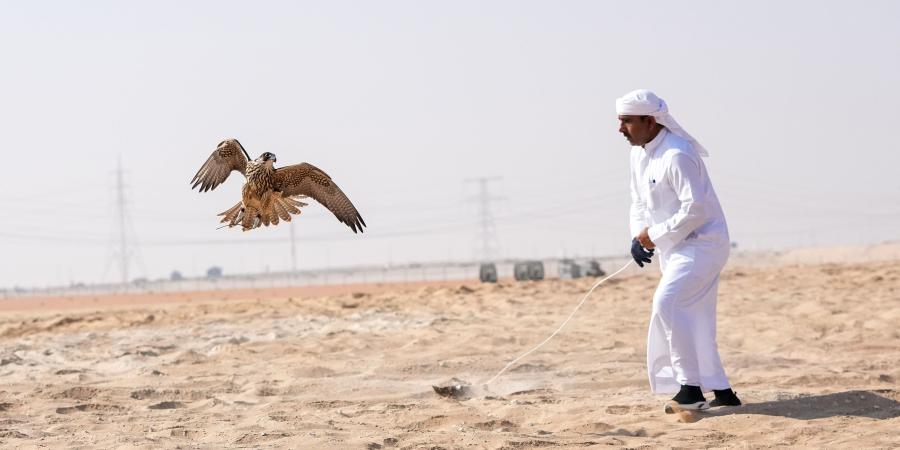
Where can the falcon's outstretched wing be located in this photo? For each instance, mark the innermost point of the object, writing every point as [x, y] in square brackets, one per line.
[228, 156]
[306, 179]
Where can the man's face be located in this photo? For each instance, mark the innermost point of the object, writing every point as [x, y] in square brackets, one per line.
[637, 129]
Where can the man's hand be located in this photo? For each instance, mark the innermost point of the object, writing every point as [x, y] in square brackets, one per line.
[644, 238]
[640, 255]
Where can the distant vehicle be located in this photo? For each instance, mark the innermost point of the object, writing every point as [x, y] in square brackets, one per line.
[529, 270]
[487, 273]
[214, 272]
[536, 270]
[520, 271]
[176, 276]
[594, 270]
[569, 270]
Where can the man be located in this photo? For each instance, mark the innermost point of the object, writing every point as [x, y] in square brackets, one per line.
[675, 210]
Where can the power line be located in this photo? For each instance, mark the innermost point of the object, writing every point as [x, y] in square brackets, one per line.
[293, 250]
[123, 240]
[123, 249]
[522, 217]
[489, 247]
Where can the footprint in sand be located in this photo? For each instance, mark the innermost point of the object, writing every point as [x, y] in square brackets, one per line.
[255, 438]
[4, 434]
[496, 425]
[534, 443]
[268, 391]
[90, 408]
[591, 428]
[168, 394]
[618, 409]
[329, 404]
[166, 405]
[386, 443]
[430, 423]
[78, 393]
[640, 432]
[184, 433]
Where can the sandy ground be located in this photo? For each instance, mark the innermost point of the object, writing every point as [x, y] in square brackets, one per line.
[814, 351]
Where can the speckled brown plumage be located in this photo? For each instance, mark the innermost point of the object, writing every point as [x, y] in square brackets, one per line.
[308, 180]
[271, 195]
[228, 156]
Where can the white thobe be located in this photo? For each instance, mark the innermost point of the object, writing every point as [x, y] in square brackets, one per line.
[672, 195]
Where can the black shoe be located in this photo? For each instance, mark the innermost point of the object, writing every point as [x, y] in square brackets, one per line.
[688, 398]
[725, 397]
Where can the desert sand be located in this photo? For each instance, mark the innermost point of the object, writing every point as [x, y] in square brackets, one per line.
[812, 349]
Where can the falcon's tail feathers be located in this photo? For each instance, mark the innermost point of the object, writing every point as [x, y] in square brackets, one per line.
[239, 215]
[275, 209]
[231, 216]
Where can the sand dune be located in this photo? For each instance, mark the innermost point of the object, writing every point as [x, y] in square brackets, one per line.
[814, 350]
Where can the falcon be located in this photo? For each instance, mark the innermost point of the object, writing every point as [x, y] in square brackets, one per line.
[271, 194]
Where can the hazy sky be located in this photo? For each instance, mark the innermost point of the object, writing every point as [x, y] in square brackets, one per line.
[402, 101]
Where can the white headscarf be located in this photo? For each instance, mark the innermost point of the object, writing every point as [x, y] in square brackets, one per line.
[645, 103]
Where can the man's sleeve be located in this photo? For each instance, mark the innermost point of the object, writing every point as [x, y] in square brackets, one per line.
[638, 214]
[687, 180]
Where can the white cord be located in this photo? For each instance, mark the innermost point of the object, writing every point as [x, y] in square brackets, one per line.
[561, 326]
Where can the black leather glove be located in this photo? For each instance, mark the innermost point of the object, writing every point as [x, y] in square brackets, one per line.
[640, 255]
